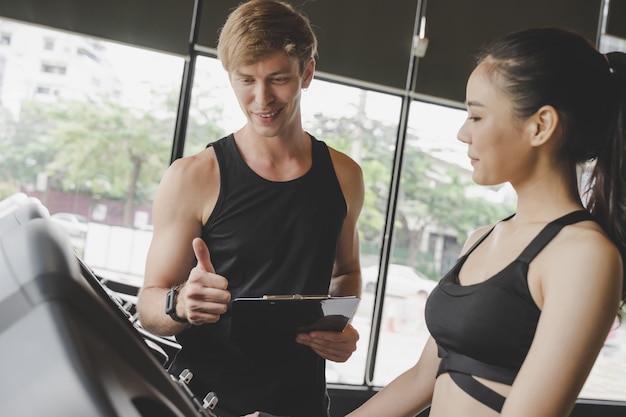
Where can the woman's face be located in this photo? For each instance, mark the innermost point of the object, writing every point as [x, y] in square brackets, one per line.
[493, 135]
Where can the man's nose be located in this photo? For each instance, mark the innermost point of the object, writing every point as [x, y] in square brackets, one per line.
[263, 94]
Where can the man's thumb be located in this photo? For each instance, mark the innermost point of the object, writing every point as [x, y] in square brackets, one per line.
[202, 254]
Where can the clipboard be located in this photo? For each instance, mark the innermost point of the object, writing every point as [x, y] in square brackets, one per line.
[277, 319]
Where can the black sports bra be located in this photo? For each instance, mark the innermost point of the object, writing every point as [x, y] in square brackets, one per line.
[486, 329]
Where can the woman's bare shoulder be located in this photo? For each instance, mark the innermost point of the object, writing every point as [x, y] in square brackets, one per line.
[474, 235]
[586, 239]
[582, 256]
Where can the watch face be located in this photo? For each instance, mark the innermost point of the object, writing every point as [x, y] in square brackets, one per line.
[170, 301]
[170, 305]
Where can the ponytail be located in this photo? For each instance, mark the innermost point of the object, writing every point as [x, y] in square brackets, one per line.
[608, 192]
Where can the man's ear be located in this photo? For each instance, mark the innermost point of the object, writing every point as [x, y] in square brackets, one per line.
[307, 74]
[543, 125]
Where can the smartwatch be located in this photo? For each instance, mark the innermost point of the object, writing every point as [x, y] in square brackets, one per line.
[170, 305]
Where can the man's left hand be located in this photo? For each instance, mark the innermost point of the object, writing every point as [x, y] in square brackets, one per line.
[334, 346]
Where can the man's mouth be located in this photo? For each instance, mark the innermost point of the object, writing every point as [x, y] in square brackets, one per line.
[267, 115]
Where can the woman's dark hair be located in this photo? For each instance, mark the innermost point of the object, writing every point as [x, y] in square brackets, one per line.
[557, 67]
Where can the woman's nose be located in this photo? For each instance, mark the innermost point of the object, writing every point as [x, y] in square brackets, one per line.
[463, 133]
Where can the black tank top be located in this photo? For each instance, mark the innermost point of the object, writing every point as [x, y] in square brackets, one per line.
[266, 237]
[486, 329]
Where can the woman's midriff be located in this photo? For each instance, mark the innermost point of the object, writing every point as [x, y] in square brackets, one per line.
[451, 401]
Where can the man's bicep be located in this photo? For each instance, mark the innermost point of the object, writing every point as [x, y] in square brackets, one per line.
[170, 258]
[346, 278]
[170, 255]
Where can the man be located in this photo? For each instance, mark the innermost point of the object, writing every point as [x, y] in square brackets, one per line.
[267, 210]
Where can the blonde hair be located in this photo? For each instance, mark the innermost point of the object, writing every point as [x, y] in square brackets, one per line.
[259, 28]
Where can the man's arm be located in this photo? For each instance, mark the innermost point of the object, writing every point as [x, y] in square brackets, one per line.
[182, 204]
[346, 276]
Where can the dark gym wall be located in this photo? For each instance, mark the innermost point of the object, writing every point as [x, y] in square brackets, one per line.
[616, 20]
[155, 24]
[364, 40]
[458, 29]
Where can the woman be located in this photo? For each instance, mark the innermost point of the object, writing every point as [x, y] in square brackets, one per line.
[517, 324]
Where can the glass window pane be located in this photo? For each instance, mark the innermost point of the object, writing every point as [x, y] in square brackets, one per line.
[364, 125]
[437, 206]
[87, 126]
[214, 111]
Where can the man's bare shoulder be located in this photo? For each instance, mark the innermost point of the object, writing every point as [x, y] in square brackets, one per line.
[344, 165]
[350, 177]
[192, 182]
[202, 165]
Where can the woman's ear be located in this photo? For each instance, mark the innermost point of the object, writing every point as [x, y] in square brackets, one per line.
[544, 125]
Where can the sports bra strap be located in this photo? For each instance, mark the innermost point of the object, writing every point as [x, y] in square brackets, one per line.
[462, 363]
[462, 370]
[484, 236]
[550, 231]
[478, 391]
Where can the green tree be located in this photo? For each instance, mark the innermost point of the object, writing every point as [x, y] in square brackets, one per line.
[204, 116]
[433, 197]
[432, 194]
[108, 151]
[100, 148]
[371, 144]
[24, 147]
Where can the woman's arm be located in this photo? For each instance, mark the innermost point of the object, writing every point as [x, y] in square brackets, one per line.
[577, 284]
[409, 393]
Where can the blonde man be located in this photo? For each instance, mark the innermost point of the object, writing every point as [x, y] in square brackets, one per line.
[268, 209]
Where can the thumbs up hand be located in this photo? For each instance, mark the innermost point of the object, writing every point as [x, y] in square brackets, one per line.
[203, 256]
[204, 297]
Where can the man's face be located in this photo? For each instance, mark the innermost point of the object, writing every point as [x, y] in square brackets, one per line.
[269, 93]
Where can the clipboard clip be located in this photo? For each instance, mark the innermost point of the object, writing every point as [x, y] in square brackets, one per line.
[296, 297]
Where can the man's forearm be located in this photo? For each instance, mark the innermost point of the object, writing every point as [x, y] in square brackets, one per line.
[347, 284]
[151, 311]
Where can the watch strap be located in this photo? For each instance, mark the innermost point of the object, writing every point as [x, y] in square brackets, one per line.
[170, 305]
